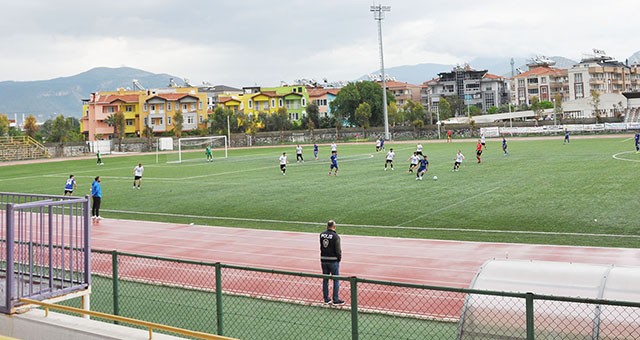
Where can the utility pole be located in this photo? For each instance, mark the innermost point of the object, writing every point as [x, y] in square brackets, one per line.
[379, 15]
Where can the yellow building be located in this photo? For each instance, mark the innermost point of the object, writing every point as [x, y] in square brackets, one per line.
[154, 108]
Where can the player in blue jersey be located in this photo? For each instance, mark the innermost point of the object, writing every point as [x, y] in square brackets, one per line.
[504, 146]
[422, 167]
[566, 137]
[334, 163]
[70, 185]
[315, 151]
[637, 137]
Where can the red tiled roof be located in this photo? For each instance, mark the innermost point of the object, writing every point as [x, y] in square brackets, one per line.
[269, 94]
[171, 96]
[491, 76]
[228, 99]
[110, 98]
[542, 71]
[399, 84]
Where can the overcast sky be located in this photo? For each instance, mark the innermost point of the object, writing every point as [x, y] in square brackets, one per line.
[242, 43]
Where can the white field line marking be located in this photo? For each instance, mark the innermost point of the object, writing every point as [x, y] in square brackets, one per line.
[523, 232]
[626, 140]
[624, 159]
[448, 206]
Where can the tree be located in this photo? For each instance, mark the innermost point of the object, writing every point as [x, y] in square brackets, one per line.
[31, 126]
[595, 102]
[458, 107]
[414, 111]
[352, 95]
[492, 110]
[363, 114]
[281, 121]
[218, 120]
[178, 123]
[557, 110]
[4, 124]
[474, 110]
[313, 115]
[117, 121]
[147, 132]
[393, 114]
[444, 108]
[537, 108]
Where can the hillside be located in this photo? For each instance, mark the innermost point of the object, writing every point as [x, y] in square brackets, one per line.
[45, 98]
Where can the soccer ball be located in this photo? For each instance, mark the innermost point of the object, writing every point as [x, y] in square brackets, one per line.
[435, 178]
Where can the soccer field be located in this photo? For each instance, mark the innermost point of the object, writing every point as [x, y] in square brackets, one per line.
[543, 192]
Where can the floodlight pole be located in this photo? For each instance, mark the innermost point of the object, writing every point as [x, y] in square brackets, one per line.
[379, 15]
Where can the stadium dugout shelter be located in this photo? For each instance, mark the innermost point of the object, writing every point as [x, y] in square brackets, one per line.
[557, 290]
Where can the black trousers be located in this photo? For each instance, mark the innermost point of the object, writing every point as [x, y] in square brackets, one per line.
[95, 208]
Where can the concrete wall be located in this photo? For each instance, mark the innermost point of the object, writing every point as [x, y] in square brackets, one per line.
[33, 325]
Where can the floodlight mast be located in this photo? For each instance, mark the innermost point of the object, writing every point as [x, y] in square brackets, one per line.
[378, 14]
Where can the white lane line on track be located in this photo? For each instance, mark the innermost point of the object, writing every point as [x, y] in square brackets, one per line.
[489, 231]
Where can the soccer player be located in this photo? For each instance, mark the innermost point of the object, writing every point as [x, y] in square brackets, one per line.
[381, 143]
[208, 153]
[70, 185]
[137, 175]
[458, 160]
[334, 147]
[637, 138]
[283, 163]
[389, 160]
[99, 156]
[449, 133]
[483, 141]
[422, 169]
[377, 144]
[419, 149]
[504, 146]
[566, 137]
[315, 151]
[333, 163]
[478, 150]
[299, 154]
[413, 161]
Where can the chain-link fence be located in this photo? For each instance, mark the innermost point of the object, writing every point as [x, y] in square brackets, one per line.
[254, 303]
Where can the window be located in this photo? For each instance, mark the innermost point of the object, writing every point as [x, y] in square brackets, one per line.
[199, 105]
[129, 122]
[129, 108]
[273, 103]
[520, 82]
[579, 91]
[250, 103]
[184, 107]
[200, 119]
[189, 119]
[169, 120]
[299, 89]
[193, 107]
[543, 80]
[577, 77]
[304, 101]
[169, 106]
[532, 80]
[144, 107]
[280, 102]
[153, 108]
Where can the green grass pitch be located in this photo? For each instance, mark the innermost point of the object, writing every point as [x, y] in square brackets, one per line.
[543, 192]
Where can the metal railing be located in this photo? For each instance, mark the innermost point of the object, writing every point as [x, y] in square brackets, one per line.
[45, 245]
[256, 303]
[149, 325]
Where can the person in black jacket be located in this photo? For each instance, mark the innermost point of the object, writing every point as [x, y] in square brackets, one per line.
[330, 256]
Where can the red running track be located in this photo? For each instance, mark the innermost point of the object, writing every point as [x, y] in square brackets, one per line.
[418, 261]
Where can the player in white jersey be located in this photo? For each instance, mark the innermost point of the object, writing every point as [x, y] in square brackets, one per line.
[283, 163]
[334, 147]
[389, 160]
[299, 154]
[413, 161]
[458, 160]
[137, 175]
[483, 141]
[419, 150]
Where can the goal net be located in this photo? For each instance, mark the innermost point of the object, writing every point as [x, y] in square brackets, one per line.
[193, 149]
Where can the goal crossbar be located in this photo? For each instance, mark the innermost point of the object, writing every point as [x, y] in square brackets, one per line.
[186, 140]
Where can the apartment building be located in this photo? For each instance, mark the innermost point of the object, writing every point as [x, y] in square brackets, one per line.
[154, 108]
[543, 81]
[603, 74]
[403, 92]
[322, 98]
[475, 88]
[254, 100]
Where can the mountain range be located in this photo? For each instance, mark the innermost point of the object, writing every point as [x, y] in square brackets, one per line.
[48, 98]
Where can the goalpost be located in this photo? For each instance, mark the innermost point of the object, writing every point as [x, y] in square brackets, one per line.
[192, 148]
